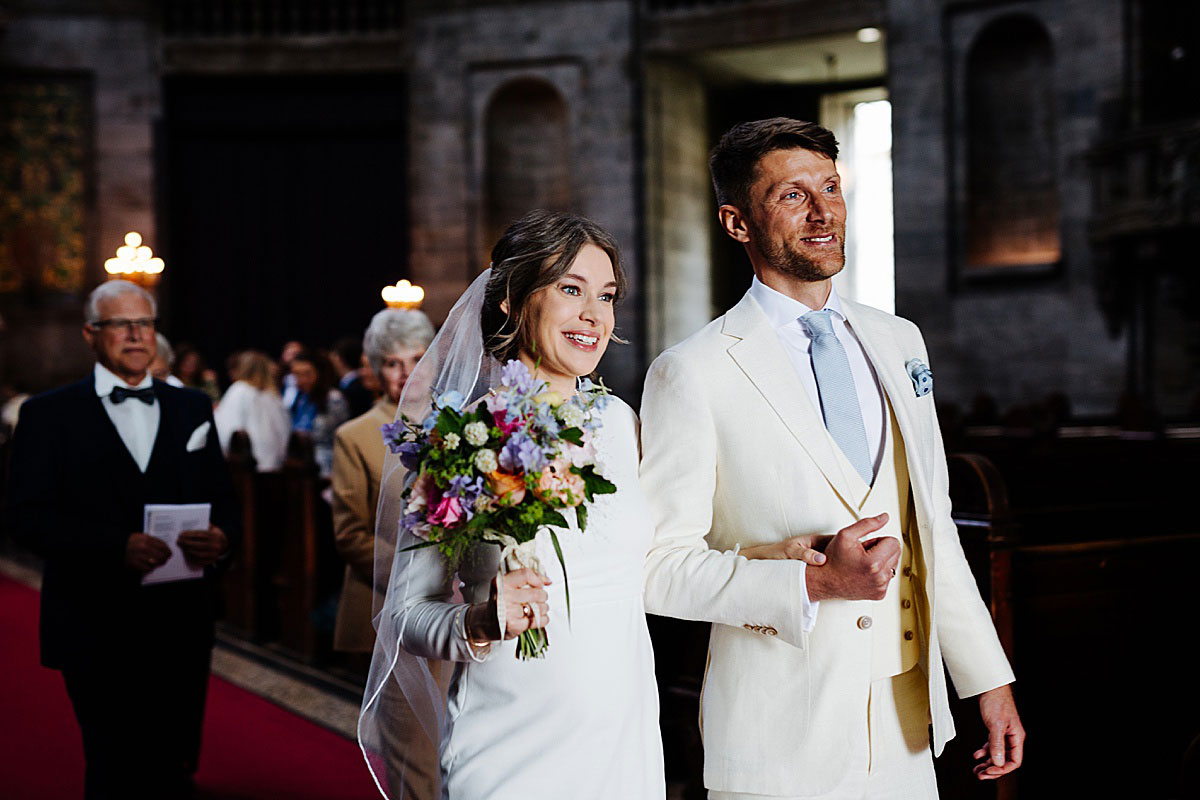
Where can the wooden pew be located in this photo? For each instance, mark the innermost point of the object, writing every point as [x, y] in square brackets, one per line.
[307, 570]
[240, 580]
[1086, 550]
[286, 569]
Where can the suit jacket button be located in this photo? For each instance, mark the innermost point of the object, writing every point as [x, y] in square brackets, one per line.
[908, 635]
[864, 622]
[769, 631]
[906, 603]
[908, 572]
[748, 626]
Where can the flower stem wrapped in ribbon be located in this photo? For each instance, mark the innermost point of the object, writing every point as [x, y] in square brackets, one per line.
[500, 472]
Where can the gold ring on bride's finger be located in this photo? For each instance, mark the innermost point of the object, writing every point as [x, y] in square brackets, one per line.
[526, 611]
[893, 572]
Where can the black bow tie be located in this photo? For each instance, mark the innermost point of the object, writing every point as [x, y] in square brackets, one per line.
[120, 393]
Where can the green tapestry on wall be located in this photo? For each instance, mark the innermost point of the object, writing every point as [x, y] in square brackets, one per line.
[45, 135]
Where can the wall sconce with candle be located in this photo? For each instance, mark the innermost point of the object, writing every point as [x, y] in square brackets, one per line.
[403, 295]
[135, 262]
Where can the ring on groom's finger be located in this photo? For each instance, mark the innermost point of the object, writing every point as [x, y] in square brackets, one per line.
[526, 611]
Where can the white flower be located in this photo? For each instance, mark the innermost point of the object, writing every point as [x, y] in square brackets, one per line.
[476, 434]
[452, 441]
[485, 461]
[571, 415]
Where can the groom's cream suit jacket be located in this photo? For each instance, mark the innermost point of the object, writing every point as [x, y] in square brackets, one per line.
[734, 454]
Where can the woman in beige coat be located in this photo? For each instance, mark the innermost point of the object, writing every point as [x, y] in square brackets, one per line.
[394, 342]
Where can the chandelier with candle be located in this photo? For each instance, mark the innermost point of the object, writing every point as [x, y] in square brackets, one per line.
[404, 295]
[135, 262]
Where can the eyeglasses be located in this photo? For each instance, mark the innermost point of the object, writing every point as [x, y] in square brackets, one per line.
[143, 325]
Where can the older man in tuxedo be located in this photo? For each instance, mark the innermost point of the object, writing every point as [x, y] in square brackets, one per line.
[86, 460]
[808, 415]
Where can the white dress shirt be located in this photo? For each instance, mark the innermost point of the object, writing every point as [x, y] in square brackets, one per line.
[136, 422]
[784, 314]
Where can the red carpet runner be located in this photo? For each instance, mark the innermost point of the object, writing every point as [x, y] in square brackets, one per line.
[252, 748]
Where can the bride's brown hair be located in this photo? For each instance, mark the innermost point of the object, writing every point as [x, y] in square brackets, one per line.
[534, 252]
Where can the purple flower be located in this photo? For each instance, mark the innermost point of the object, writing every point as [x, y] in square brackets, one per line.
[393, 433]
[410, 454]
[467, 490]
[515, 375]
[521, 453]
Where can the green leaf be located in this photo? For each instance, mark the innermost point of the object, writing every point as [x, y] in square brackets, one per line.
[562, 562]
[581, 517]
[552, 517]
[419, 545]
[572, 435]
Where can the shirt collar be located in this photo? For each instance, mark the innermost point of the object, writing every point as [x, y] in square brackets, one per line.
[106, 380]
[782, 310]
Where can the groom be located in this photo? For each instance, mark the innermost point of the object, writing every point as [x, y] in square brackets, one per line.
[808, 414]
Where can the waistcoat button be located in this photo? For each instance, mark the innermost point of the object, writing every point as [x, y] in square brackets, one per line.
[864, 622]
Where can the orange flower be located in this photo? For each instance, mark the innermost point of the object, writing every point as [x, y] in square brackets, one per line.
[509, 489]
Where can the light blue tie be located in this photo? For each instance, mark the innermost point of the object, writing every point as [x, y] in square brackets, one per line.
[839, 400]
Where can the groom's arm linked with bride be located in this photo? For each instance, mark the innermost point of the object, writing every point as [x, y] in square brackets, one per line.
[796, 423]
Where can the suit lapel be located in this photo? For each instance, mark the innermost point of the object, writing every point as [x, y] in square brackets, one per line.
[888, 363]
[759, 355]
[164, 436]
[107, 431]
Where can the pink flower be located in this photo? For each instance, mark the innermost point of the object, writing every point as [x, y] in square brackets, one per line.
[581, 455]
[506, 428]
[422, 491]
[558, 485]
[447, 514]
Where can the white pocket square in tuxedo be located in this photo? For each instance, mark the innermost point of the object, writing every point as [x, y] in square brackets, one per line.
[199, 437]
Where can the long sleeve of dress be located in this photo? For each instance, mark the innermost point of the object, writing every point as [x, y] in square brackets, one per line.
[420, 599]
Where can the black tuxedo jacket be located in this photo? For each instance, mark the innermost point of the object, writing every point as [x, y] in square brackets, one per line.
[75, 496]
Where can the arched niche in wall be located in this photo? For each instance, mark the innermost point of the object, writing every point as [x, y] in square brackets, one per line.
[527, 158]
[1011, 199]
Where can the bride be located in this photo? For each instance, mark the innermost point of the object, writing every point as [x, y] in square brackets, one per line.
[582, 722]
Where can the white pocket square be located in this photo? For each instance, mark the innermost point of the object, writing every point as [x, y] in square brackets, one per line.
[199, 437]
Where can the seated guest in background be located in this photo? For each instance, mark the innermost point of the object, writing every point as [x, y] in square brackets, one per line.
[252, 404]
[394, 343]
[86, 459]
[288, 385]
[164, 358]
[346, 356]
[191, 370]
[318, 408]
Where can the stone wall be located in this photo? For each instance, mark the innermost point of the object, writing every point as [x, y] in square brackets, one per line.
[41, 345]
[1021, 338]
[461, 57]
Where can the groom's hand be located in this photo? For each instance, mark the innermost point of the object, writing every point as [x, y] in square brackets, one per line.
[854, 569]
[1005, 746]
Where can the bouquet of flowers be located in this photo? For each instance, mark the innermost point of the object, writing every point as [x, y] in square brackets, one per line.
[501, 471]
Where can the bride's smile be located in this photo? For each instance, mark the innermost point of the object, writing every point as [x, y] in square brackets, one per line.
[572, 321]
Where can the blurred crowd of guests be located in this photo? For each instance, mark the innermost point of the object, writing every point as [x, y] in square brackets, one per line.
[306, 391]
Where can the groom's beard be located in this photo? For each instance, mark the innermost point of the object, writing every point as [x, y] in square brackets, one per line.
[784, 257]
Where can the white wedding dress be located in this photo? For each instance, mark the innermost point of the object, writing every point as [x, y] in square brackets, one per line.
[582, 722]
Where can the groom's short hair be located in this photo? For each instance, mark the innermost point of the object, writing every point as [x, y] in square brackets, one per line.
[733, 162]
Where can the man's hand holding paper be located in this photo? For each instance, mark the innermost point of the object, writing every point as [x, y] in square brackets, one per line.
[192, 540]
[202, 548]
